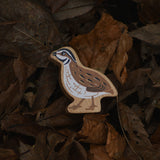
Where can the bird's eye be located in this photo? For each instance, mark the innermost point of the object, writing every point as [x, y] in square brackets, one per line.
[63, 53]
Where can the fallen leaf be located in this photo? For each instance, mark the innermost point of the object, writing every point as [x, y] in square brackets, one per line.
[115, 144]
[33, 35]
[18, 123]
[149, 33]
[105, 46]
[136, 134]
[94, 129]
[46, 86]
[15, 73]
[73, 9]
[155, 137]
[77, 152]
[55, 5]
[98, 152]
[147, 10]
[8, 154]
[44, 148]
[56, 116]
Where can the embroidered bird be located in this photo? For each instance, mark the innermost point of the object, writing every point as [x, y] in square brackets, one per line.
[84, 85]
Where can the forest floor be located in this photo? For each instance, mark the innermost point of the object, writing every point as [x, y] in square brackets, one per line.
[120, 38]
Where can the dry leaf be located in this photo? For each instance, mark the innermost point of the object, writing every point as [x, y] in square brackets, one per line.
[7, 154]
[115, 144]
[149, 33]
[148, 10]
[136, 134]
[155, 138]
[55, 5]
[98, 152]
[45, 147]
[105, 46]
[33, 35]
[46, 86]
[20, 124]
[94, 129]
[14, 81]
[73, 9]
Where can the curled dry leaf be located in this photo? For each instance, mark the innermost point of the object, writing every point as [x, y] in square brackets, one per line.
[136, 134]
[94, 129]
[33, 34]
[55, 115]
[106, 46]
[98, 152]
[20, 124]
[46, 86]
[148, 10]
[44, 148]
[14, 80]
[55, 5]
[7, 154]
[149, 33]
[73, 8]
[115, 144]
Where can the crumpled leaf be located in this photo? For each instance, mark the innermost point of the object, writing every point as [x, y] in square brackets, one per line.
[94, 129]
[8, 154]
[98, 152]
[14, 80]
[20, 124]
[33, 34]
[44, 148]
[149, 33]
[46, 86]
[106, 46]
[55, 5]
[72, 9]
[55, 115]
[77, 152]
[115, 144]
[148, 10]
[136, 134]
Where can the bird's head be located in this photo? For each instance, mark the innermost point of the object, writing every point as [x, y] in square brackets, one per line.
[63, 55]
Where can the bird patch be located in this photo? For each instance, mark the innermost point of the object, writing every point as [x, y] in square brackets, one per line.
[85, 86]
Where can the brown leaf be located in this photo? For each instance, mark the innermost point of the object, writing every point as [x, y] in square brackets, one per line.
[55, 115]
[7, 154]
[115, 144]
[105, 46]
[46, 87]
[45, 147]
[33, 35]
[20, 124]
[77, 152]
[155, 137]
[72, 9]
[98, 152]
[148, 11]
[136, 134]
[94, 129]
[149, 33]
[55, 5]
[15, 73]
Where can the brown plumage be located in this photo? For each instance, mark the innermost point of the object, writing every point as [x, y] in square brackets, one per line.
[93, 81]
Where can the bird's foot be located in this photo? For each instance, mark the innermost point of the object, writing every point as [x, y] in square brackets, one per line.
[91, 107]
[74, 107]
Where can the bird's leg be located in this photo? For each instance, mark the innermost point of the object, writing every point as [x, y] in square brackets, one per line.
[92, 106]
[78, 105]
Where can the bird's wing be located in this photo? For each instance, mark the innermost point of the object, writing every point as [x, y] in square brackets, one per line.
[100, 88]
[89, 79]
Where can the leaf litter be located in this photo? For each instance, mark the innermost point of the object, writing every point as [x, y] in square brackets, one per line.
[34, 122]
